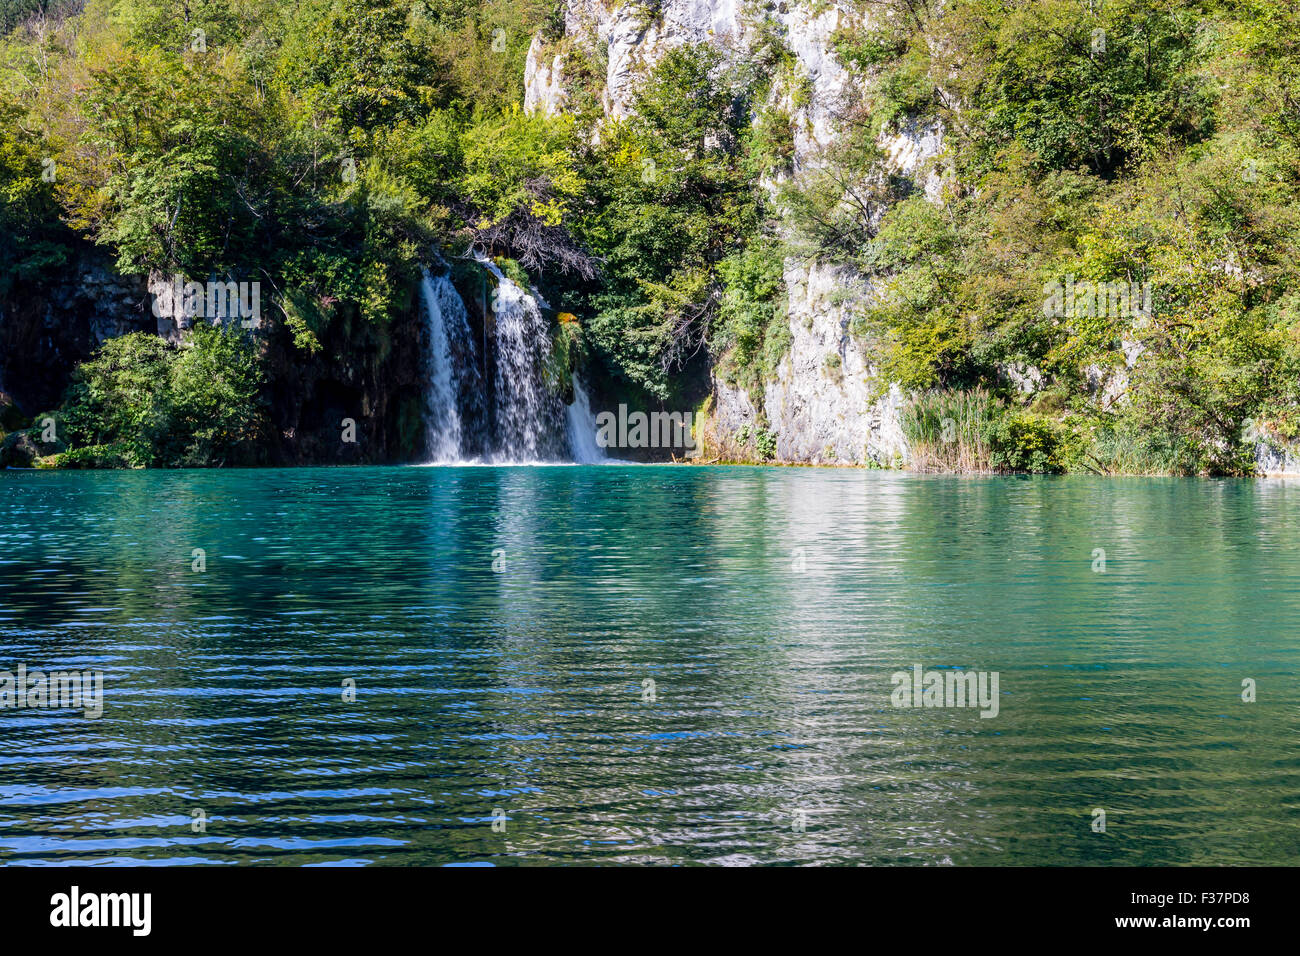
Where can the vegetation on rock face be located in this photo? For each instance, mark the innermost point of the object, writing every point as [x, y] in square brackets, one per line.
[671, 197]
[1151, 144]
[1120, 212]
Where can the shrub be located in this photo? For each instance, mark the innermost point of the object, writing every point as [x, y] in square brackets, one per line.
[155, 405]
[1023, 441]
[751, 328]
[90, 457]
[214, 397]
[762, 439]
[117, 397]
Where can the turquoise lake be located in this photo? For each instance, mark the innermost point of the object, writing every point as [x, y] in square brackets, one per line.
[644, 664]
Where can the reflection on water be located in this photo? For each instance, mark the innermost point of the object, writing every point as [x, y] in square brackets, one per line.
[768, 606]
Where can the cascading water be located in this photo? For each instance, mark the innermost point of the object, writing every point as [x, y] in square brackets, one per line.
[582, 428]
[452, 379]
[528, 417]
[441, 410]
[521, 419]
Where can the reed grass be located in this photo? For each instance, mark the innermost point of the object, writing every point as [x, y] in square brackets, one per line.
[947, 431]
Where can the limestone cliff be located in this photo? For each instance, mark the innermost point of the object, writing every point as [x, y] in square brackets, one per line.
[826, 403]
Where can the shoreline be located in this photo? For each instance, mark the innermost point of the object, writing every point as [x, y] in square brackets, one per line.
[1272, 476]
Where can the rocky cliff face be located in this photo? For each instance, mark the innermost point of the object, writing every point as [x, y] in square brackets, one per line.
[45, 330]
[372, 375]
[826, 403]
[633, 35]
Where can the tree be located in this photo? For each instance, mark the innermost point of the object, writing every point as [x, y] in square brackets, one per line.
[155, 405]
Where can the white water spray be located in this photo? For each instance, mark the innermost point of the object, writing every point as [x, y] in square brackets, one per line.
[528, 415]
[450, 359]
[582, 428]
[441, 412]
[521, 419]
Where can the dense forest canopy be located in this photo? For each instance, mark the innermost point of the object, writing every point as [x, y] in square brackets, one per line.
[1144, 150]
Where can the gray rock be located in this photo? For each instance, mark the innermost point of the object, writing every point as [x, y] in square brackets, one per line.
[18, 450]
[1274, 455]
[827, 403]
[543, 80]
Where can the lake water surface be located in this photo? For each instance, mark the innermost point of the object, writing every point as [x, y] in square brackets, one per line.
[665, 665]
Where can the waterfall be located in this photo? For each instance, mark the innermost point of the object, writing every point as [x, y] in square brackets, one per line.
[453, 384]
[528, 416]
[520, 419]
[582, 428]
[441, 410]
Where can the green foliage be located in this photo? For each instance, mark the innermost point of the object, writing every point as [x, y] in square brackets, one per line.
[480, 48]
[180, 25]
[16, 12]
[520, 162]
[771, 143]
[142, 402]
[949, 430]
[319, 146]
[357, 65]
[1096, 87]
[119, 398]
[568, 350]
[1023, 441]
[365, 258]
[164, 184]
[32, 240]
[898, 52]
[214, 397]
[89, 458]
[670, 197]
[834, 208]
[686, 104]
[750, 331]
[920, 330]
[760, 437]
[430, 156]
